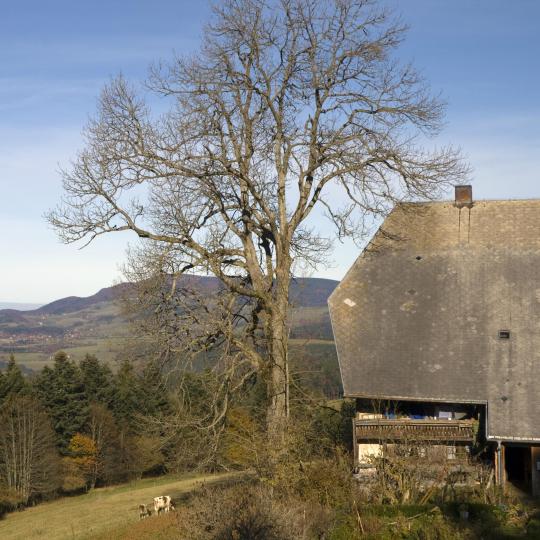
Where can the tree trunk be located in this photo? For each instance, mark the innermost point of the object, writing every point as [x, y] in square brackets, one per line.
[278, 375]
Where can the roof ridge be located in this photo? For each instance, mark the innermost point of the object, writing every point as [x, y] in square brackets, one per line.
[451, 201]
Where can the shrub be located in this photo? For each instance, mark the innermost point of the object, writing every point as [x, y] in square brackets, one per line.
[9, 500]
[248, 512]
[326, 481]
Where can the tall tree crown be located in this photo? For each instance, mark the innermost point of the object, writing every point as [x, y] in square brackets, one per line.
[289, 105]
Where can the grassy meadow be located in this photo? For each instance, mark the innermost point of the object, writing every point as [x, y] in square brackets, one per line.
[107, 513]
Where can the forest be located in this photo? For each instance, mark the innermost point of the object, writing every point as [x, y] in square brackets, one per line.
[79, 425]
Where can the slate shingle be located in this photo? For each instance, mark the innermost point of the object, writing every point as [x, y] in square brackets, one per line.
[419, 313]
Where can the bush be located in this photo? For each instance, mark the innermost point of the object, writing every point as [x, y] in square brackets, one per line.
[9, 500]
[249, 511]
[328, 481]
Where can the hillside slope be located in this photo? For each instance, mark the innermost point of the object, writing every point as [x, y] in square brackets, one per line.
[91, 515]
[94, 324]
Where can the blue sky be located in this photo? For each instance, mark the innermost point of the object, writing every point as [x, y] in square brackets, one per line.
[482, 55]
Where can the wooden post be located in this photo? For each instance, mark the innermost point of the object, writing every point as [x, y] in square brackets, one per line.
[355, 442]
[500, 473]
[503, 465]
[535, 472]
[496, 463]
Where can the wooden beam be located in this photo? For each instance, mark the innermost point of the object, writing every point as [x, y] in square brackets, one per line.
[355, 442]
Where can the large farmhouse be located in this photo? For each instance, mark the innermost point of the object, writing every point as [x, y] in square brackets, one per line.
[439, 320]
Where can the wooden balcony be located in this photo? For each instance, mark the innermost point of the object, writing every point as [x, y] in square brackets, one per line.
[407, 429]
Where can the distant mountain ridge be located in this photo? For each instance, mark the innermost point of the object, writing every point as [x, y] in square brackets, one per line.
[305, 292]
[96, 325]
[71, 304]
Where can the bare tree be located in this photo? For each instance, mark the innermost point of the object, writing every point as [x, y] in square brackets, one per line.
[291, 109]
[29, 462]
[104, 434]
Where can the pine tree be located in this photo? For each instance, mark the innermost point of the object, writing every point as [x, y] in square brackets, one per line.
[154, 391]
[129, 399]
[97, 379]
[12, 381]
[61, 391]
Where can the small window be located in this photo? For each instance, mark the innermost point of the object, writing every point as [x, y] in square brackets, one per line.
[451, 452]
[504, 334]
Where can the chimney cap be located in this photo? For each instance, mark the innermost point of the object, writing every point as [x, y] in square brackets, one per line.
[463, 196]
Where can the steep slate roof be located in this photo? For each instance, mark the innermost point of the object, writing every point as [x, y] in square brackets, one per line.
[418, 315]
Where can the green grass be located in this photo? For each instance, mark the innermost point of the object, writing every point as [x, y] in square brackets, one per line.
[105, 348]
[100, 512]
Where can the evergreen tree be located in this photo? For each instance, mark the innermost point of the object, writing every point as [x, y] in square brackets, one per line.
[154, 391]
[12, 381]
[61, 391]
[97, 379]
[129, 398]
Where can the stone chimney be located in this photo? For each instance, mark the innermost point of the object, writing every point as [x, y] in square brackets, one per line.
[464, 196]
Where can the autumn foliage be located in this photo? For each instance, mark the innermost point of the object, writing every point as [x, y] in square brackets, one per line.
[81, 463]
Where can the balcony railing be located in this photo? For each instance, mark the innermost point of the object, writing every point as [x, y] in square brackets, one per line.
[400, 429]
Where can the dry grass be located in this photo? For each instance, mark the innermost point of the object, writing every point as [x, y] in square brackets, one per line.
[92, 515]
[163, 528]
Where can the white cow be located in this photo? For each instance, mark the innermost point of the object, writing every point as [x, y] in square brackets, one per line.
[163, 504]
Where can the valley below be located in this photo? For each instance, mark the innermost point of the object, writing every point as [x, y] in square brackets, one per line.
[95, 325]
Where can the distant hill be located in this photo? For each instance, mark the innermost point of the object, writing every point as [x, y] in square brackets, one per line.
[71, 304]
[305, 292]
[12, 316]
[94, 324]
[311, 292]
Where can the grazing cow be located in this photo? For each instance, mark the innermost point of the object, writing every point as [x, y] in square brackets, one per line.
[163, 504]
[144, 512]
